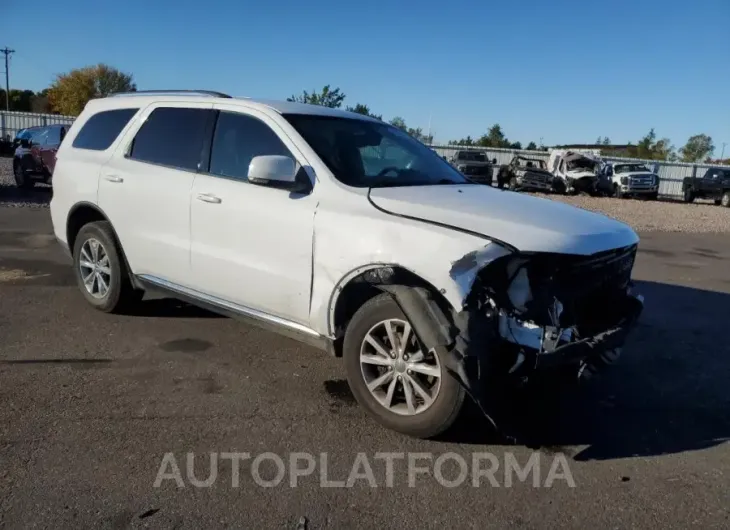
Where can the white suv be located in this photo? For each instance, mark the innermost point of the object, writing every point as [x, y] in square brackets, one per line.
[345, 232]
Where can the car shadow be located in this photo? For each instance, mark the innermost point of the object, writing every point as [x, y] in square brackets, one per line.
[168, 308]
[669, 392]
[39, 195]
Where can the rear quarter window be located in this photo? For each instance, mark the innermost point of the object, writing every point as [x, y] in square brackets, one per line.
[100, 131]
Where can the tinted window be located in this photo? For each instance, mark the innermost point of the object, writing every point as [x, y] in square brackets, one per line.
[239, 138]
[172, 137]
[100, 131]
[54, 136]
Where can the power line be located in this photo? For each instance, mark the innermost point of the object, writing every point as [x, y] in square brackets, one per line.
[7, 51]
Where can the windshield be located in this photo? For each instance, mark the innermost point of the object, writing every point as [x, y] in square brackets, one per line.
[474, 156]
[583, 164]
[630, 168]
[531, 162]
[365, 154]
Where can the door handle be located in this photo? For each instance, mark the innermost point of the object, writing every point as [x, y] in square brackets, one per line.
[207, 197]
[113, 178]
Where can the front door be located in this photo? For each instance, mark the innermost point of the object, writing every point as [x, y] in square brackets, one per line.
[250, 244]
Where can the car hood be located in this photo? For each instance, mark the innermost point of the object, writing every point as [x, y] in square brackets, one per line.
[527, 223]
[635, 174]
[471, 163]
[580, 173]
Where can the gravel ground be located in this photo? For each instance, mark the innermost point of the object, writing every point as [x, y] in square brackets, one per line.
[642, 215]
[11, 196]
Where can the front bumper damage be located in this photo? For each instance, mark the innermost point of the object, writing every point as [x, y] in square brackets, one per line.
[529, 313]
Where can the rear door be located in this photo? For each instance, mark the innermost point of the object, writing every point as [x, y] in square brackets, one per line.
[145, 187]
[38, 143]
[49, 149]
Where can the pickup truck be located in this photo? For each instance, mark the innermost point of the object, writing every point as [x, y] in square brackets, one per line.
[629, 179]
[714, 184]
[474, 165]
[525, 174]
[574, 171]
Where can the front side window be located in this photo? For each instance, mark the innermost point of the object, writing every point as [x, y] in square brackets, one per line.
[173, 137]
[365, 154]
[237, 140]
[100, 131]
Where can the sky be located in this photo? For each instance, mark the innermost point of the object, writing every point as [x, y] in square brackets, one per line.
[564, 71]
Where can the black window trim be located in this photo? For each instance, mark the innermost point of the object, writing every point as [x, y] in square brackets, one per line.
[207, 140]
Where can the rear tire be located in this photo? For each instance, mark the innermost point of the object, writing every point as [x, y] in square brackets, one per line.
[433, 419]
[101, 274]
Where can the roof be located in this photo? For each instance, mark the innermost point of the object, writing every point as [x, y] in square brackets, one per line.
[282, 107]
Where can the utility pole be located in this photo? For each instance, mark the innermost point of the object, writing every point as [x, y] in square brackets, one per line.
[7, 51]
[722, 156]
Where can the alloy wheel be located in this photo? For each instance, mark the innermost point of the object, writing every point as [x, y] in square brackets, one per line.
[95, 268]
[396, 371]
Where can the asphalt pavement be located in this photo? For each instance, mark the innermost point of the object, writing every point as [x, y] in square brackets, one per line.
[91, 404]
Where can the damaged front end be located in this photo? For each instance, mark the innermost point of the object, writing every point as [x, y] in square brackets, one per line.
[561, 310]
[527, 312]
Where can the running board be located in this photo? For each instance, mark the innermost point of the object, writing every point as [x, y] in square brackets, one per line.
[258, 318]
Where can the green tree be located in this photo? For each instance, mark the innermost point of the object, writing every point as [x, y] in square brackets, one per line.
[400, 123]
[532, 146]
[70, 92]
[494, 138]
[464, 141]
[326, 98]
[697, 148]
[365, 110]
[516, 145]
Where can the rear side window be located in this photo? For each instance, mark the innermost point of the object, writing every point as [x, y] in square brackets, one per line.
[238, 138]
[172, 137]
[100, 131]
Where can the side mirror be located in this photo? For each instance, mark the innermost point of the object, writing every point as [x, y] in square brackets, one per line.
[278, 171]
[272, 170]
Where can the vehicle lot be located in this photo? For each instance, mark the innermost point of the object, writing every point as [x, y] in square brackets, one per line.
[92, 402]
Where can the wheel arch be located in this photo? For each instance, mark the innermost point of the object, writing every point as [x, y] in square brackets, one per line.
[366, 282]
[83, 213]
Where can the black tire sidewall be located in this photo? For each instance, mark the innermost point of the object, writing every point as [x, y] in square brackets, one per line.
[437, 418]
[101, 232]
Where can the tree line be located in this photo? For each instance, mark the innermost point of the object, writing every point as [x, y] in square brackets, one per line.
[69, 93]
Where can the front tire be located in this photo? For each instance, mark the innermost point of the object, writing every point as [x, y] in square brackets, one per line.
[100, 271]
[725, 201]
[688, 195]
[403, 387]
[22, 180]
[617, 192]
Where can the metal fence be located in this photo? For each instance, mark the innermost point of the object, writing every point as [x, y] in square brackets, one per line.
[670, 173]
[12, 122]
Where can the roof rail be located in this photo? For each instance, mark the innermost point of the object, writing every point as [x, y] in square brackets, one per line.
[201, 92]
